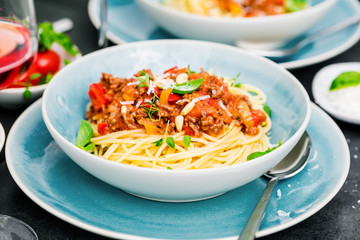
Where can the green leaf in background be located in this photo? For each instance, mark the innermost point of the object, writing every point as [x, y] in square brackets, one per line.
[84, 135]
[259, 154]
[295, 5]
[27, 93]
[47, 36]
[344, 80]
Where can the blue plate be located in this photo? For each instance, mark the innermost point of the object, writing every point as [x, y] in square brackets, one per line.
[128, 23]
[52, 180]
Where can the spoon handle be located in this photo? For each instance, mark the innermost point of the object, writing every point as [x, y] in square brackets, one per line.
[253, 223]
[334, 28]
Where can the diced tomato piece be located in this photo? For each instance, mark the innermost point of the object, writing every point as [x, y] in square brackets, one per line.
[101, 127]
[144, 104]
[258, 117]
[188, 131]
[171, 70]
[97, 96]
[173, 98]
[202, 108]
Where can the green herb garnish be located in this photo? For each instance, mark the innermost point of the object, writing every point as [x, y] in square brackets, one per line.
[187, 140]
[169, 168]
[295, 5]
[47, 36]
[188, 71]
[150, 111]
[158, 142]
[259, 154]
[236, 81]
[267, 109]
[344, 80]
[171, 142]
[187, 87]
[27, 93]
[84, 136]
[145, 82]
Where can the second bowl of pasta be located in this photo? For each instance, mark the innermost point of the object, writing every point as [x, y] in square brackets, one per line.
[175, 120]
[264, 23]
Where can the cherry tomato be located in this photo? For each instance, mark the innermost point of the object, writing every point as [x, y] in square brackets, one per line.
[47, 61]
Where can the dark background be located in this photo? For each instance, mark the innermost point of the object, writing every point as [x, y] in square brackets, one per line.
[339, 219]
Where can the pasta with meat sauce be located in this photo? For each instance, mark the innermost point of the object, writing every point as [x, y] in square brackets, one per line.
[179, 119]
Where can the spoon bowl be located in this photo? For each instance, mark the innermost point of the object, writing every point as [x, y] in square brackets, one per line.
[292, 164]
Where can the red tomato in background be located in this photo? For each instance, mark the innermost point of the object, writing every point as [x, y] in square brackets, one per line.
[47, 61]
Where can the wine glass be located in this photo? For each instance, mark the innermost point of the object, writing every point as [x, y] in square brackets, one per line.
[18, 39]
[18, 47]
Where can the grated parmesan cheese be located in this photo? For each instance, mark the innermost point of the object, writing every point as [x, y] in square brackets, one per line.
[223, 107]
[195, 100]
[134, 83]
[127, 102]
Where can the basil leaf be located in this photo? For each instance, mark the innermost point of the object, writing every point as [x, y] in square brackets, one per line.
[169, 168]
[187, 140]
[158, 142]
[47, 36]
[88, 148]
[345, 79]
[267, 109]
[259, 154]
[295, 5]
[170, 141]
[187, 87]
[84, 135]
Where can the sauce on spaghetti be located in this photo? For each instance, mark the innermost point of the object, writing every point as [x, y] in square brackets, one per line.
[174, 101]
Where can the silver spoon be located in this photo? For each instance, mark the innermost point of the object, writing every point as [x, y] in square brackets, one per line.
[292, 164]
[285, 52]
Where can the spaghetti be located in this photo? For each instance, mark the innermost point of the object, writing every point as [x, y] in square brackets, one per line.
[220, 124]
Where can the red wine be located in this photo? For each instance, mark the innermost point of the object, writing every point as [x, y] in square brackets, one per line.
[16, 52]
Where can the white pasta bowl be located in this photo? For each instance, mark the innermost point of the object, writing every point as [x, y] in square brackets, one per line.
[66, 97]
[264, 30]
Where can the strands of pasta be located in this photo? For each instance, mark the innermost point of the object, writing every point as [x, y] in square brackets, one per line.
[208, 152]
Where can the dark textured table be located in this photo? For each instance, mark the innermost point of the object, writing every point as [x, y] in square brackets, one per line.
[339, 219]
